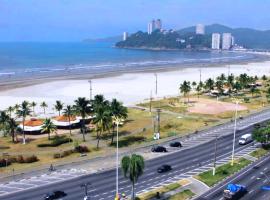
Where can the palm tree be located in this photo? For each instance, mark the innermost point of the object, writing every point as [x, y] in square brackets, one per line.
[219, 85]
[33, 105]
[198, 90]
[133, 168]
[83, 108]
[44, 106]
[102, 120]
[16, 107]
[10, 109]
[58, 106]
[209, 84]
[23, 112]
[230, 80]
[252, 90]
[12, 127]
[194, 84]
[68, 111]
[221, 78]
[3, 121]
[185, 88]
[118, 112]
[48, 127]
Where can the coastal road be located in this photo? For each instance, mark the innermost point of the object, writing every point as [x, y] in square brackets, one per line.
[103, 184]
[251, 177]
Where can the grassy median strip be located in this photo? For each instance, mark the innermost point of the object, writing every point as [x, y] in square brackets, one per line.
[222, 172]
[259, 153]
[184, 195]
[161, 190]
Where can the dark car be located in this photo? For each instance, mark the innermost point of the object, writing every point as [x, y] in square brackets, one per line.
[175, 144]
[159, 149]
[55, 195]
[164, 168]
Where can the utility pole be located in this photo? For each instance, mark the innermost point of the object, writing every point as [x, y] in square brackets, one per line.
[215, 157]
[200, 75]
[90, 82]
[156, 84]
[234, 132]
[150, 104]
[158, 120]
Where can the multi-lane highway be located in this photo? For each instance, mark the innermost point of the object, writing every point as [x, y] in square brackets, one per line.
[182, 162]
[253, 177]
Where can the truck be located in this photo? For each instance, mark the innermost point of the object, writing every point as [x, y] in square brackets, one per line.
[245, 139]
[234, 192]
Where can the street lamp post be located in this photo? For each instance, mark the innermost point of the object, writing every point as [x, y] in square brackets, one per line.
[215, 157]
[90, 82]
[117, 157]
[234, 131]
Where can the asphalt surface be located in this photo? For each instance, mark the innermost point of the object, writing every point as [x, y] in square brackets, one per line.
[250, 177]
[103, 184]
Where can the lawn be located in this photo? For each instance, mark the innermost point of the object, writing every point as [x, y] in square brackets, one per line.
[184, 195]
[259, 153]
[222, 172]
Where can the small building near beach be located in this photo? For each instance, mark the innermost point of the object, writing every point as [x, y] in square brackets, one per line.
[32, 126]
[62, 122]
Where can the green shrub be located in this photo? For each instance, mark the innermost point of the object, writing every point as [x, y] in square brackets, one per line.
[81, 149]
[246, 100]
[4, 162]
[57, 141]
[63, 154]
[26, 159]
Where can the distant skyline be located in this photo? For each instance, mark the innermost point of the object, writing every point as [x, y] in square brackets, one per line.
[70, 20]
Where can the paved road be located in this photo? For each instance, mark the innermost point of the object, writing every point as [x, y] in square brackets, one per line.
[185, 163]
[103, 184]
[251, 177]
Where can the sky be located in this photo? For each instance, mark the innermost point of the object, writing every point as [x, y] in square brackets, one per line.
[75, 20]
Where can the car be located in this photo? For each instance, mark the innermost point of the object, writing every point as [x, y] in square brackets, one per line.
[159, 149]
[164, 168]
[55, 195]
[175, 144]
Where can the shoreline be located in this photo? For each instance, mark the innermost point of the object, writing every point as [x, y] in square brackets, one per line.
[25, 81]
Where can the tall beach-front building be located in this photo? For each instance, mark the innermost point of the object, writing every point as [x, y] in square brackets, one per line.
[151, 27]
[215, 41]
[200, 29]
[125, 36]
[158, 24]
[226, 41]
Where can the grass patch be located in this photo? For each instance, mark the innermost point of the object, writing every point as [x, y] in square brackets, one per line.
[129, 140]
[259, 153]
[184, 195]
[56, 141]
[161, 190]
[222, 172]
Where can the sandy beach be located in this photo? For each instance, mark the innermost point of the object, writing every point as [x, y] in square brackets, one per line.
[130, 88]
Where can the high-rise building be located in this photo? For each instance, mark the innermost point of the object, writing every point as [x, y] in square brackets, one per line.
[200, 29]
[215, 41]
[151, 27]
[158, 24]
[125, 36]
[233, 41]
[226, 41]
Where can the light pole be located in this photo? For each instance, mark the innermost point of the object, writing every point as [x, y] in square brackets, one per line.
[117, 157]
[215, 157]
[234, 131]
[156, 83]
[90, 82]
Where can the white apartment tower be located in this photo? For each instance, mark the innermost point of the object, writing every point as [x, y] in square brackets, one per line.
[226, 41]
[200, 29]
[215, 41]
[158, 24]
[151, 27]
[125, 36]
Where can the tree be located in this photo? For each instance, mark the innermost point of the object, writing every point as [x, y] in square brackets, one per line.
[58, 106]
[102, 120]
[222, 78]
[44, 106]
[3, 121]
[132, 168]
[230, 80]
[16, 107]
[185, 88]
[12, 127]
[23, 112]
[118, 112]
[194, 84]
[198, 89]
[68, 111]
[48, 127]
[262, 135]
[219, 85]
[268, 92]
[10, 109]
[243, 80]
[33, 105]
[264, 78]
[82, 107]
[237, 86]
[209, 84]
[252, 90]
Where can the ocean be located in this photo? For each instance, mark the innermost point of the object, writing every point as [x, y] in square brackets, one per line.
[33, 58]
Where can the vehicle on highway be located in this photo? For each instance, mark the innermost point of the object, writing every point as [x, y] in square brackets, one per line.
[55, 195]
[245, 139]
[234, 192]
[159, 149]
[164, 168]
[175, 144]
